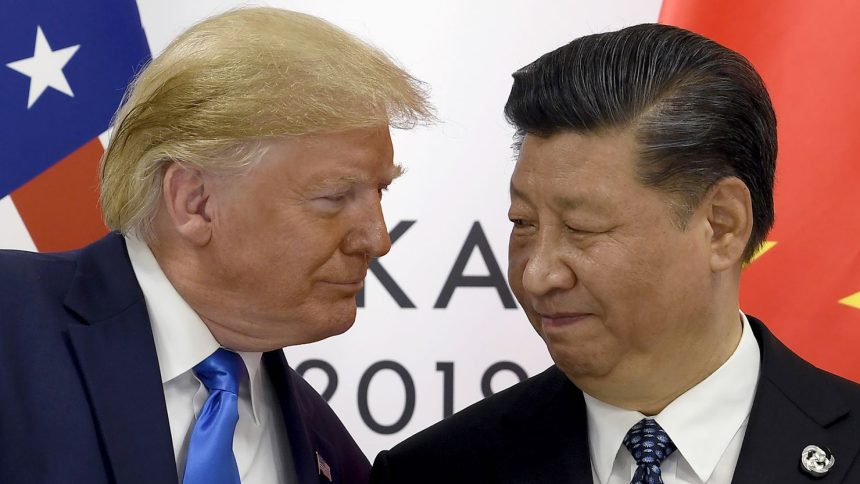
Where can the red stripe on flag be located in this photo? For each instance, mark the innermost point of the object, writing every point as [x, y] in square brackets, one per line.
[809, 56]
[60, 207]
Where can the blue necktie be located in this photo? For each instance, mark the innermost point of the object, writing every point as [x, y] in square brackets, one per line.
[210, 453]
[650, 445]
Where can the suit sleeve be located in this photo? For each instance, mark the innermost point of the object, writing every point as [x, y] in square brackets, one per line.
[381, 471]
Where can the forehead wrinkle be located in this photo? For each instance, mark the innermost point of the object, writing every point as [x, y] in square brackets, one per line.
[565, 202]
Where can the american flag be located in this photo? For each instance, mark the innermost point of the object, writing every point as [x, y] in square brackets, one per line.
[64, 66]
[323, 467]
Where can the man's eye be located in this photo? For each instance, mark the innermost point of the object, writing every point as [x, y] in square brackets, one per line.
[520, 223]
[337, 197]
[582, 231]
[331, 203]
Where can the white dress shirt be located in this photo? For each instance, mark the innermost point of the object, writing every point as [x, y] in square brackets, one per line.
[707, 424]
[182, 341]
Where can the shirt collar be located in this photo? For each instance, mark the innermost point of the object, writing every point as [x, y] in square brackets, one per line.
[182, 339]
[701, 422]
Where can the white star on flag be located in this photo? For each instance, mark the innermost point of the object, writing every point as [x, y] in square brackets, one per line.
[45, 68]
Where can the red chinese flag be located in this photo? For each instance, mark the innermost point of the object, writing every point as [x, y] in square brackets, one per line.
[806, 285]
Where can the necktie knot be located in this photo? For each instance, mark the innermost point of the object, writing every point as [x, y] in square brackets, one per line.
[222, 370]
[649, 445]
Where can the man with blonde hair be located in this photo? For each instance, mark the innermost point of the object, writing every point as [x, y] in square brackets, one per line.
[243, 185]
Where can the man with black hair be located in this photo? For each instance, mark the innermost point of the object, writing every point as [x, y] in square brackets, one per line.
[644, 182]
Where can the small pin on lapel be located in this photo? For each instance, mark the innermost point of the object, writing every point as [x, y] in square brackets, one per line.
[323, 467]
[816, 461]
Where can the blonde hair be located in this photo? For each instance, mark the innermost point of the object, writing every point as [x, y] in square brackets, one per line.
[229, 83]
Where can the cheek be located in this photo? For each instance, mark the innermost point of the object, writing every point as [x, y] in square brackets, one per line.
[621, 280]
[280, 266]
[311, 244]
[651, 288]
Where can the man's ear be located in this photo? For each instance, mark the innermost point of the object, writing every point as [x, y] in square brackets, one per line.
[186, 198]
[729, 212]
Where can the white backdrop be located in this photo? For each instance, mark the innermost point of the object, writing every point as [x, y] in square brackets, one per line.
[457, 175]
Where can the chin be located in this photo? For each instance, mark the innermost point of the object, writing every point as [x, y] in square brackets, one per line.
[337, 322]
[581, 373]
[340, 327]
[577, 364]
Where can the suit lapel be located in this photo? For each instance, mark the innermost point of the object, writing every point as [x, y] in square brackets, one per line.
[304, 442]
[793, 407]
[552, 416]
[116, 355]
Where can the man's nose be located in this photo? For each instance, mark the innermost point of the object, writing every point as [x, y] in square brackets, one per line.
[546, 269]
[369, 234]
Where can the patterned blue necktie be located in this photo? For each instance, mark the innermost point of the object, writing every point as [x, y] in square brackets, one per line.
[210, 453]
[650, 445]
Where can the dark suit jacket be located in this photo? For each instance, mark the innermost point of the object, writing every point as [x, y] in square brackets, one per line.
[536, 431]
[81, 399]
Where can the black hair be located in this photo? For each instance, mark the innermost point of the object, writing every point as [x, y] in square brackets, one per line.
[699, 110]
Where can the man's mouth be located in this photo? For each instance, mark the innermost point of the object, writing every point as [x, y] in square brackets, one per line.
[560, 320]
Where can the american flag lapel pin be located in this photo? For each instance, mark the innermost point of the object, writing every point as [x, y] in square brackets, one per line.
[323, 467]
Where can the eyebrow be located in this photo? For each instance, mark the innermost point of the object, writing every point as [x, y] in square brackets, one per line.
[565, 203]
[568, 203]
[396, 172]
